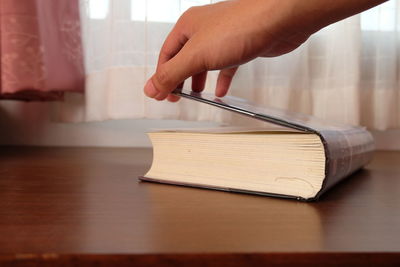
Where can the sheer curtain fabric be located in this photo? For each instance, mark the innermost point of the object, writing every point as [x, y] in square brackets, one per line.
[347, 72]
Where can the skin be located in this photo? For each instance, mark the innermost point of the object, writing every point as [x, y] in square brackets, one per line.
[227, 34]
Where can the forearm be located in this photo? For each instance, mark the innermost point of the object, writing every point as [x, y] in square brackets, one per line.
[288, 23]
[317, 14]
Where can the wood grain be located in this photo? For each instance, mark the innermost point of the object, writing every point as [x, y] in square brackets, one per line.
[86, 206]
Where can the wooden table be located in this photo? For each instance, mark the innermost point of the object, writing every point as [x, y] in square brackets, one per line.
[85, 206]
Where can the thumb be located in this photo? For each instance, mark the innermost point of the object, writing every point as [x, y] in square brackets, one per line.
[173, 72]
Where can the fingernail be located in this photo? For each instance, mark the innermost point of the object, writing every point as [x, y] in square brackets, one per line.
[150, 90]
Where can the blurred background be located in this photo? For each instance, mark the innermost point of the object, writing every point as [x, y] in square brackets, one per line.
[73, 73]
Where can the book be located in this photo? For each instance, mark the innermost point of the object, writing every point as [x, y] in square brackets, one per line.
[301, 157]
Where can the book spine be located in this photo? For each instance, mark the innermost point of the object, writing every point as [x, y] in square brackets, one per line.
[346, 151]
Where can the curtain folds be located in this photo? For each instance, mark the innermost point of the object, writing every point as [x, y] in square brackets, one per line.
[40, 48]
[347, 72]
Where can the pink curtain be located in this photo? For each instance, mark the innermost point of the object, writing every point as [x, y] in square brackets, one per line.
[41, 49]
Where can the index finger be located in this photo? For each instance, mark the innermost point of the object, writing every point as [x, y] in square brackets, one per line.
[172, 45]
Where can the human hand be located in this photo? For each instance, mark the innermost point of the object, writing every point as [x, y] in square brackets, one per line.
[224, 35]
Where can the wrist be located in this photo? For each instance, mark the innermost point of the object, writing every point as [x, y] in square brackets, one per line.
[309, 16]
[318, 14]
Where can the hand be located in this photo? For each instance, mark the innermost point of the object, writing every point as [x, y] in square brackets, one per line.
[224, 35]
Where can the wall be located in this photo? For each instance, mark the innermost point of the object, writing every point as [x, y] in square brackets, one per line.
[30, 124]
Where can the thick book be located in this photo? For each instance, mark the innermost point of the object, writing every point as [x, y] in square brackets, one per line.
[301, 157]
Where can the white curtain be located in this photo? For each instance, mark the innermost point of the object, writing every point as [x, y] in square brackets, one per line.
[347, 72]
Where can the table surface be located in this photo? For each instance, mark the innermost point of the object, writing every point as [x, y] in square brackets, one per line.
[87, 205]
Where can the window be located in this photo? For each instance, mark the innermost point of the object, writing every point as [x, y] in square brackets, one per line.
[380, 18]
[146, 10]
[97, 9]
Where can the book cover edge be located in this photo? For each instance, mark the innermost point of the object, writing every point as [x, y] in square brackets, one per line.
[225, 189]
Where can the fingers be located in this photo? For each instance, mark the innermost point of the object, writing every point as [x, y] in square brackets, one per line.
[173, 98]
[150, 90]
[199, 81]
[170, 74]
[225, 77]
[172, 44]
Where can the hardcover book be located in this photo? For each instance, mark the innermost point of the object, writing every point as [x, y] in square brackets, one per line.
[301, 157]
